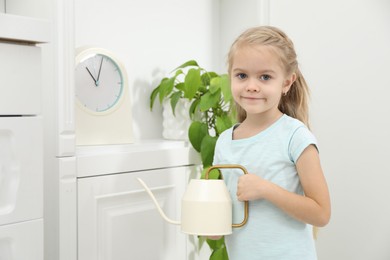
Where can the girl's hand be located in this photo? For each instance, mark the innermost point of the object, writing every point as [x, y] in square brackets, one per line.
[251, 187]
[312, 208]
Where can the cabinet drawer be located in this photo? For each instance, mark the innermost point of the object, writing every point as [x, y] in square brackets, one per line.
[21, 169]
[22, 240]
[20, 74]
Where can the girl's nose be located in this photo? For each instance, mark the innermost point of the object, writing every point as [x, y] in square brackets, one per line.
[252, 86]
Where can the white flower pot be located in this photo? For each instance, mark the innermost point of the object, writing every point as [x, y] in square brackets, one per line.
[175, 127]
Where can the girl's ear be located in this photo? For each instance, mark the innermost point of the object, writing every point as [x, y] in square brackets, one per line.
[288, 82]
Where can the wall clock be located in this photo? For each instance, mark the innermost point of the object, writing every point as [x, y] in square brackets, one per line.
[102, 109]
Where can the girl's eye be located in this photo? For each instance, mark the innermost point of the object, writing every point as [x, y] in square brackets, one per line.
[265, 77]
[241, 75]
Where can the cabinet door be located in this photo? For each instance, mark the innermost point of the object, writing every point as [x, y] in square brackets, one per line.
[20, 74]
[22, 240]
[117, 219]
[21, 169]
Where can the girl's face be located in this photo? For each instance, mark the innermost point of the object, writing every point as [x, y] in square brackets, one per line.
[258, 80]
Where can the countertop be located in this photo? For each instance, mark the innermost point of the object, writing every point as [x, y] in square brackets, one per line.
[141, 155]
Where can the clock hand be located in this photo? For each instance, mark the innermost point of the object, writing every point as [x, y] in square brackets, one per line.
[94, 80]
[100, 68]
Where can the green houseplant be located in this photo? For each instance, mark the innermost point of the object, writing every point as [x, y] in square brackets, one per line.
[210, 114]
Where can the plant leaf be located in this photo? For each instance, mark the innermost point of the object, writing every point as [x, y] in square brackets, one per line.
[207, 150]
[214, 174]
[215, 84]
[193, 108]
[166, 87]
[225, 87]
[175, 97]
[186, 64]
[153, 96]
[196, 133]
[178, 72]
[180, 86]
[222, 123]
[192, 83]
[209, 100]
[207, 76]
[212, 244]
[219, 254]
[202, 240]
[218, 249]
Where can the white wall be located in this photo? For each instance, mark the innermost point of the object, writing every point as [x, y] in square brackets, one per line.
[235, 17]
[344, 51]
[151, 38]
[2, 6]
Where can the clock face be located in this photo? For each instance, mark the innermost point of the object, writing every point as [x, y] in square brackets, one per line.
[99, 83]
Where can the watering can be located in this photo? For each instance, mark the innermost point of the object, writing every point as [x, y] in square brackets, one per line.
[206, 206]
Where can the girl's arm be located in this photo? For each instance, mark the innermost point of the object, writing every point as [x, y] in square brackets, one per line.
[312, 208]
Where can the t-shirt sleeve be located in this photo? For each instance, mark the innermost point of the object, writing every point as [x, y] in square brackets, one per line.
[300, 140]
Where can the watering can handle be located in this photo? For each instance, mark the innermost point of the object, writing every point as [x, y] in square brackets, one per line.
[232, 166]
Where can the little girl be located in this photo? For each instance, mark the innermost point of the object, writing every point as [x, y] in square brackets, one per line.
[285, 187]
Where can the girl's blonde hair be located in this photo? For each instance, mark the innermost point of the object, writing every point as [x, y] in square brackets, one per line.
[295, 102]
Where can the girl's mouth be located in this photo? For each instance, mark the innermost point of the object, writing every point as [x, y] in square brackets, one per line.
[253, 98]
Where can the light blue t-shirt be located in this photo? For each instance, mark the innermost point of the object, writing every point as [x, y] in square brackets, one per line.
[270, 234]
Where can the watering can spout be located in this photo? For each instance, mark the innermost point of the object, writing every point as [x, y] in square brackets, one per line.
[156, 203]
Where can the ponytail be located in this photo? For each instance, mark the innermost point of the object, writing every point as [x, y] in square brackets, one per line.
[295, 102]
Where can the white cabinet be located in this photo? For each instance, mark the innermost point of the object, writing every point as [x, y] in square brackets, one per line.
[22, 240]
[118, 220]
[116, 217]
[20, 75]
[21, 166]
[21, 188]
[21, 137]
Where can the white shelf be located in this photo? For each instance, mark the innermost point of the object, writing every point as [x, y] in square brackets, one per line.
[17, 28]
[142, 155]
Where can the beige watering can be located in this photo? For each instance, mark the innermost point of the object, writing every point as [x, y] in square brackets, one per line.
[206, 206]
